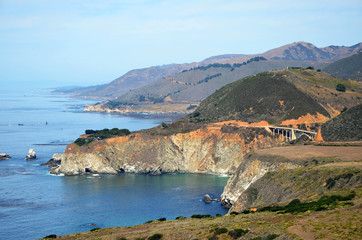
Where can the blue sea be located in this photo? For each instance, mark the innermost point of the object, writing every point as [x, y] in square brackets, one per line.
[34, 204]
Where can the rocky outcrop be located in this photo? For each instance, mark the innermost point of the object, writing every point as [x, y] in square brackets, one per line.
[207, 150]
[54, 161]
[305, 184]
[31, 155]
[4, 156]
[250, 170]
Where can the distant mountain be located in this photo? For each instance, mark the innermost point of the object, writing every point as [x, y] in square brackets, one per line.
[347, 68]
[299, 51]
[196, 84]
[131, 80]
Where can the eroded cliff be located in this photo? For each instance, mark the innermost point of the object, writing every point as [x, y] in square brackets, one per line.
[212, 149]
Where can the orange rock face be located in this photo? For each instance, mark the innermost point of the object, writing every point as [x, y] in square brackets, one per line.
[217, 148]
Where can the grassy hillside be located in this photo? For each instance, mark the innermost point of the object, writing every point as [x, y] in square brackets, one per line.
[276, 96]
[347, 68]
[345, 127]
[196, 84]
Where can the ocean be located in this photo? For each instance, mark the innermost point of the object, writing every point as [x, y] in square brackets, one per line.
[34, 203]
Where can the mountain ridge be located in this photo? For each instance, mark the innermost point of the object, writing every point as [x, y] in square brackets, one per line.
[141, 77]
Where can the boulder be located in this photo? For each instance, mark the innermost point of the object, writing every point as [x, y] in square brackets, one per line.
[4, 156]
[31, 155]
[54, 161]
[207, 198]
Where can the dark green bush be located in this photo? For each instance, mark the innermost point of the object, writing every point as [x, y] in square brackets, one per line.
[340, 87]
[324, 203]
[50, 236]
[271, 236]
[149, 221]
[201, 216]
[80, 142]
[294, 201]
[156, 236]
[234, 213]
[180, 218]
[95, 229]
[236, 233]
[219, 231]
[161, 219]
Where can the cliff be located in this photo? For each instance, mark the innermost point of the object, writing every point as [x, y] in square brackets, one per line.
[306, 184]
[210, 149]
[251, 170]
[279, 175]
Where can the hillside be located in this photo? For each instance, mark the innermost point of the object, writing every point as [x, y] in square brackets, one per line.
[299, 51]
[345, 127]
[347, 68]
[278, 96]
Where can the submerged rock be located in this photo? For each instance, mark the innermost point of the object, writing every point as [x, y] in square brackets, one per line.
[4, 156]
[54, 161]
[31, 155]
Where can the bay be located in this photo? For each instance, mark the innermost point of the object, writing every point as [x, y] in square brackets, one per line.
[34, 204]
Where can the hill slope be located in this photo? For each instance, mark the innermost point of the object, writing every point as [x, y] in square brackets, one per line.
[347, 68]
[278, 96]
[345, 127]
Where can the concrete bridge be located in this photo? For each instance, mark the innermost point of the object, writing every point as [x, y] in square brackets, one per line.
[289, 134]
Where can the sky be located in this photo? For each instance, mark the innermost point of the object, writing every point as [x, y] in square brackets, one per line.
[90, 42]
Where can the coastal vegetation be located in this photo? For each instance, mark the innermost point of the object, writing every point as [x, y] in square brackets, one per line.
[96, 135]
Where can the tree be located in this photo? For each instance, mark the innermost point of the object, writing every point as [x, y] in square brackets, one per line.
[340, 87]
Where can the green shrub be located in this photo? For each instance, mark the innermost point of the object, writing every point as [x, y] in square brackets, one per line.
[237, 233]
[294, 201]
[156, 236]
[324, 203]
[50, 236]
[162, 219]
[219, 231]
[191, 107]
[95, 229]
[149, 221]
[271, 236]
[234, 213]
[80, 142]
[201, 216]
[340, 87]
[180, 218]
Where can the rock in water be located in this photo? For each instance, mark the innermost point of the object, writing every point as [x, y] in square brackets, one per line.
[207, 198]
[4, 156]
[31, 155]
[54, 161]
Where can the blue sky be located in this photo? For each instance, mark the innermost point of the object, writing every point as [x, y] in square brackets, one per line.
[87, 42]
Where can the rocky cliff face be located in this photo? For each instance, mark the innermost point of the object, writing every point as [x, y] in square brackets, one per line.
[305, 183]
[250, 170]
[207, 150]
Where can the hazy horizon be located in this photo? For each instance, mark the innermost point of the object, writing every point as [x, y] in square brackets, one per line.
[60, 43]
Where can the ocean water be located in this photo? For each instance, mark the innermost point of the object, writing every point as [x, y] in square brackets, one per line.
[34, 204]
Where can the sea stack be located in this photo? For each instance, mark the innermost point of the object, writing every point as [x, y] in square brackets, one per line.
[31, 155]
[54, 161]
[4, 156]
